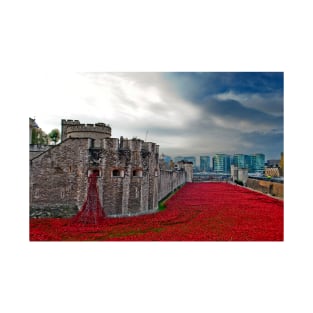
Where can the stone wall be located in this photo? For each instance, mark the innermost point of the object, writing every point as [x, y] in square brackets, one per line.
[134, 188]
[129, 177]
[268, 187]
[243, 175]
[58, 177]
[169, 181]
[130, 181]
[53, 211]
[74, 129]
[35, 150]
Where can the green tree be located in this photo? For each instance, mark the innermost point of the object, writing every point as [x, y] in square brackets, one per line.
[54, 135]
[39, 137]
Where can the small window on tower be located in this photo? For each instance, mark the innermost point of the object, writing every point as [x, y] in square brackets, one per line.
[137, 173]
[91, 143]
[118, 173]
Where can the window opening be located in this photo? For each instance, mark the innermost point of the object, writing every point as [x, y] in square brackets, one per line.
[116, 173]
[137, 173]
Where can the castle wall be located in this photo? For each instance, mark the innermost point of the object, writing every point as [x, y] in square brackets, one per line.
[243, 175]
[188, 167]
[58, 177]
[268, 187]
[35, 150]
[134, 189]
[169, 181]
[130, 181]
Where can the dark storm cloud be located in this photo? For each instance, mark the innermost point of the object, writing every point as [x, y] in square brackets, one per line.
[231, 110]
[244, 110]
[184, 113]
[261, 91]
[197, 87]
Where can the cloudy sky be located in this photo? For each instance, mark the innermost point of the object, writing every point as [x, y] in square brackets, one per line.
[188, 113]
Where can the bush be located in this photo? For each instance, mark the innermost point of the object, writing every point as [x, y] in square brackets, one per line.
[239, 182]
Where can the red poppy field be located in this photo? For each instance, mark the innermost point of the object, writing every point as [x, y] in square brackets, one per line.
[197, 212]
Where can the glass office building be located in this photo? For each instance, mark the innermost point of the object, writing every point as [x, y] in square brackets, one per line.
[221, 163]
[239, 160]
[204, 163]
[258, 161]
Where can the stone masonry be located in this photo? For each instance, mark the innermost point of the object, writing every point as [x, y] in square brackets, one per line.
[130, 181]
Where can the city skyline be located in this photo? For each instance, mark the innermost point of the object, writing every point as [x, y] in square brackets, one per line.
[190, 113]
[233, 159]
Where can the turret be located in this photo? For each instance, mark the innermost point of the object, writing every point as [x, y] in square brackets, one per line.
[74, 129]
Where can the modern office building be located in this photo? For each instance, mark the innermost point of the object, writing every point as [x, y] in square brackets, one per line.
[239, 160]
[221, 163]
[248, 163]
[204, 163]
[258, 161]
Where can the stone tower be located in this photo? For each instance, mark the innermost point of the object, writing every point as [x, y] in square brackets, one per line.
[74, 129]
[127, 171]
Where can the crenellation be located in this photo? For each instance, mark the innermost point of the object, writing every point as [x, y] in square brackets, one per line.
[75, 129]
[130, 181]
[147, 146]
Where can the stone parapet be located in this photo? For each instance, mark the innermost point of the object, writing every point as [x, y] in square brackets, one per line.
[268, 187]
[74, 129]
[130, 181]
[169, 181]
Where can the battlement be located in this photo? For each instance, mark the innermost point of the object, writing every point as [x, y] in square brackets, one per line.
[89, 128]
[74, 129]
[70, 122]
[129, 179]
[130, 144]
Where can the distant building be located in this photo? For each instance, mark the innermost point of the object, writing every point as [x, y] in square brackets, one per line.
[239, 160]
[166, 158]
[272, 172]
[188, 168]
[221, 163]
[258, 163]
[165, 162]
[243, 175]
[186, 159]
[32, 125]
[281, 164]
[233, 172]
[204, 163]
[239, 174]
[248, 163]
[272, 163]
[35, 149]
[272, 168]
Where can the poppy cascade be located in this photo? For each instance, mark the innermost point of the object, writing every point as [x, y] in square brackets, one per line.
[91, 211]
[197, 212]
